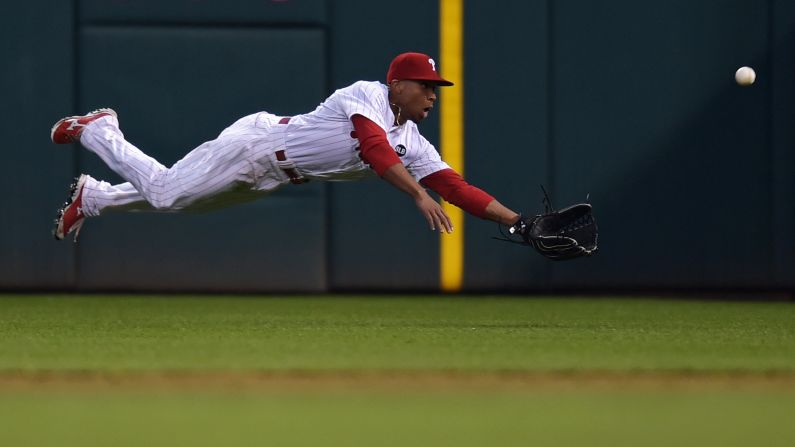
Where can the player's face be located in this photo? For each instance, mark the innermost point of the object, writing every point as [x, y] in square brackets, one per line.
[416, 99]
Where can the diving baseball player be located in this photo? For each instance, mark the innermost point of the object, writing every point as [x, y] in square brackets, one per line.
[365, 128]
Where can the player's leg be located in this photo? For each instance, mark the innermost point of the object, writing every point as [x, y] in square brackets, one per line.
[87, 197]
[98, 131]
[216, 174]
[213, 168]
[104, 138]
[101, 196]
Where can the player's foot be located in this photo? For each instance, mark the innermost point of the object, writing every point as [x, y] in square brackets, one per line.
[68, 130]
[70, 216]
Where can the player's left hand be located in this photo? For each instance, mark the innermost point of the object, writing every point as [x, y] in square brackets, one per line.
[558, 234]
[563, 234]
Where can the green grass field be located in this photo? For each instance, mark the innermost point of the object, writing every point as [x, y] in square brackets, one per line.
[430, 370]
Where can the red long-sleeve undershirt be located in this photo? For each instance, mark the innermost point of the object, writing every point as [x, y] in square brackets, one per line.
[373, 145]
[379, 154]
[453, 188]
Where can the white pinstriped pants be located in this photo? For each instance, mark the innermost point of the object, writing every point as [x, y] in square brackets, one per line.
[236, 167]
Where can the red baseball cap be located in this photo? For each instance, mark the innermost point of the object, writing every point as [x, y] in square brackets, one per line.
[414, 67]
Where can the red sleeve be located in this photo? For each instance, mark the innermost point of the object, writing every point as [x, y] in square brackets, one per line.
[373, 145]
[453, 188]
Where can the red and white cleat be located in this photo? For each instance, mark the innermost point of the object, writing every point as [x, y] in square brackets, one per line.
[67, 130]
[70, 216]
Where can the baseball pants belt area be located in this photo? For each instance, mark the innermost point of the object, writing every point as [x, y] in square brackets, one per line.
[286, 165]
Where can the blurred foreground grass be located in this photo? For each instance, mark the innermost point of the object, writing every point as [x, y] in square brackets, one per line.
[376, 418]
[392, 371]
[392, 333]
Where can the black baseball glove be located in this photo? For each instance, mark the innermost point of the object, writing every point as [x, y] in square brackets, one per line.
[563, 234]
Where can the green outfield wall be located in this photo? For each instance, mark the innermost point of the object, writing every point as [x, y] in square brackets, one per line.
[632, 103]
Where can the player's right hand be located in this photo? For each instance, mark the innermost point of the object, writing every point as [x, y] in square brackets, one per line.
[434, 214]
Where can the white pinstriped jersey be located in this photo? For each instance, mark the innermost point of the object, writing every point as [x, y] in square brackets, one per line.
[322, 146]
[241, 164]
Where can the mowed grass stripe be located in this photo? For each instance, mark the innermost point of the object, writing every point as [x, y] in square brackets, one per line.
[387, 381]
[429, 333]
[365, 418]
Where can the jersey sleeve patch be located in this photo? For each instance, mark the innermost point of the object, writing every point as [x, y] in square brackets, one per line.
[425, 160]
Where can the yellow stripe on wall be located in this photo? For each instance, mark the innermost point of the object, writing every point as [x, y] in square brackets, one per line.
[451, 43]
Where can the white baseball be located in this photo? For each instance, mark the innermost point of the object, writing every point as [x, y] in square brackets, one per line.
[745, 76]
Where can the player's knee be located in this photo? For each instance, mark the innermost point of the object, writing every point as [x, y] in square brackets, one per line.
[163, 193]
[172, 203]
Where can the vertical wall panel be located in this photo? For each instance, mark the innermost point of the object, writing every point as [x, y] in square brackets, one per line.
[256, 12]
[781, 77]
[632, 102]
[175, 88]
[676, 156]
[378, 238]
[37, 53]
[507, 114]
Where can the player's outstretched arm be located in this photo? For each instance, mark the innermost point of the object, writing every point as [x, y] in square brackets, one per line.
[376, 151]
[453, 188]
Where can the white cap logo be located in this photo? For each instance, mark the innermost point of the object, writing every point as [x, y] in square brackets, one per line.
[433, 64]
